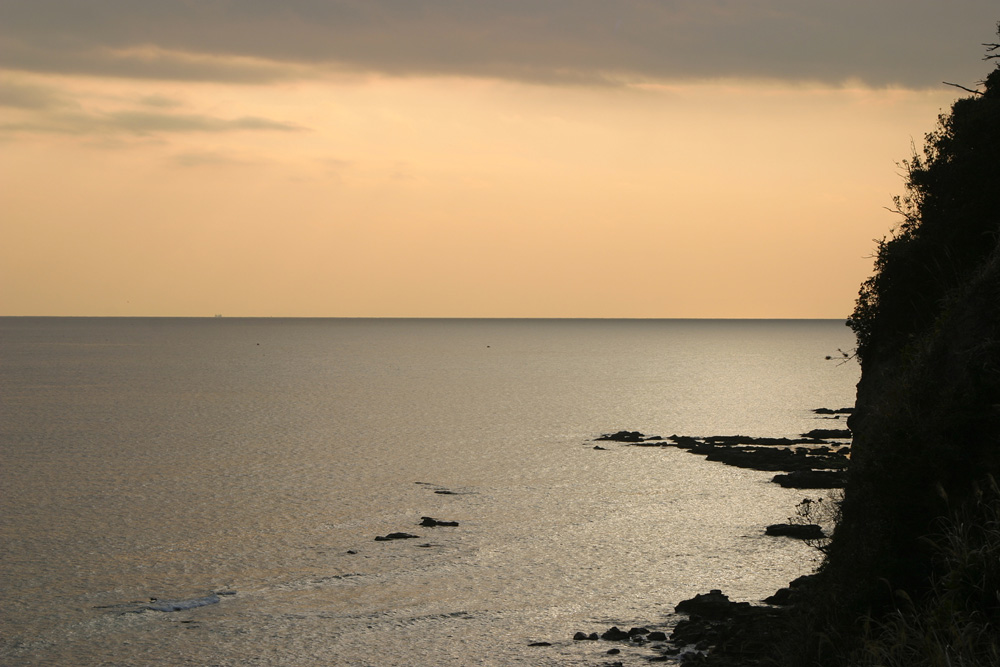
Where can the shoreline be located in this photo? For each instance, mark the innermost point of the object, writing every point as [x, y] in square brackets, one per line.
[712, 630]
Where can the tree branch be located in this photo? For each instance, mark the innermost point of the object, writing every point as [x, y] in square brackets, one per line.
[968, 90]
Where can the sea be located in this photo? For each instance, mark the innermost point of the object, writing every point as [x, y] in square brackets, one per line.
[208, 491]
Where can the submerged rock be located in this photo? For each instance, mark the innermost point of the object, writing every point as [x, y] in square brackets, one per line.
[156, 604]
[395, 536]
[181, 605]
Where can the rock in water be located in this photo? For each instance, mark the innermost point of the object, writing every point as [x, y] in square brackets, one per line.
[395, 536]
[181, 605]
[823, 433]
[811, 479]
[808, 531]
[714, 604]
[429, 522]
[623, 436]
[615, 634]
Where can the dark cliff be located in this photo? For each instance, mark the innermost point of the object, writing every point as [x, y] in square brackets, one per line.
[912, 575]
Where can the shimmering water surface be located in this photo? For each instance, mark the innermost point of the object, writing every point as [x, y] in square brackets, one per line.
[173, 458]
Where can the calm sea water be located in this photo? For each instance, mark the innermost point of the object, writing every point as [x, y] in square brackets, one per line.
[173, 458]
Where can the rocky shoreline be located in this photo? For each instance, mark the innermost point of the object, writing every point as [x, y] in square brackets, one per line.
[718, 632]
[715, 632]
[815, 460]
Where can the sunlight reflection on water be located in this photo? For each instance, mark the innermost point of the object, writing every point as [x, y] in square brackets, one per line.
[187, 459]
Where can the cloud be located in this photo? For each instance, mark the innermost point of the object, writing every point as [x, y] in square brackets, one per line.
[141, 62]
[144, 122]
[140, 123]
[208, 159]
[160, 102]
[914, 43]
[18, 95]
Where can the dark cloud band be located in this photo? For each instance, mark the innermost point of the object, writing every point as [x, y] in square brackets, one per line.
[912, 43]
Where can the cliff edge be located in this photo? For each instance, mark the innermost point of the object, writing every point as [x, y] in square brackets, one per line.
[912, 574]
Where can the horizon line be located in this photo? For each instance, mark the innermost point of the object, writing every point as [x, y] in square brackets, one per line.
[404, 317]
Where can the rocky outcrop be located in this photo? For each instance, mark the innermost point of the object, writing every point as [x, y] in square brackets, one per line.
[811, 479]
[733, 633]
[624, 436]
[828, 433]
[714, 604]
[768, 454]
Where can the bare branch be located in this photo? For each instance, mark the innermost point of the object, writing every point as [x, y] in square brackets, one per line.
[992, 50]
[968, 90]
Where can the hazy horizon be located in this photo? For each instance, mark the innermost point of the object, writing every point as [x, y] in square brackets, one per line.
[322, 317]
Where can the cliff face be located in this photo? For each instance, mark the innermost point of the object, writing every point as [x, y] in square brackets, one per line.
[926, 432]
[927, 420]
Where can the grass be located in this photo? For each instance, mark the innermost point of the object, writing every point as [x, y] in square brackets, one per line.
[957, 624]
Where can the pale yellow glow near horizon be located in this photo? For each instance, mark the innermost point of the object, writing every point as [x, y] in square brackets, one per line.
[437, 197]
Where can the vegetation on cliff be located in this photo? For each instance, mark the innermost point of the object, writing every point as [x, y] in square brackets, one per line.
[912, 575]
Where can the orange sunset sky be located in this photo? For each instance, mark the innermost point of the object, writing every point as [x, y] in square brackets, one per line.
[382, 158]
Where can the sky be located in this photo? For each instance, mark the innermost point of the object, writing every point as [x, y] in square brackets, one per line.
[476, 158]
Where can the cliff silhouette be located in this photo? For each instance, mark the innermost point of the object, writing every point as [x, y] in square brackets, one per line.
[912, 574]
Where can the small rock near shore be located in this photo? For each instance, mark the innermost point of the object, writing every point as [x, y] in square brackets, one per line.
[811, 479]
[714, 604]
[808, 531]
[614, 634]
